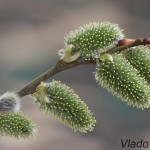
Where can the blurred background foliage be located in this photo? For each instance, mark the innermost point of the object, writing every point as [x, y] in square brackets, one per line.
[31, 32]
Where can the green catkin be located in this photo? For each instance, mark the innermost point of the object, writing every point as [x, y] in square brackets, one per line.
[93, 38]
[17, 125]
[65, 105]
[123, 80]
[139, 57]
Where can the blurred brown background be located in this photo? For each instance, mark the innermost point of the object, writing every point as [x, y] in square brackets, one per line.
[31, 32]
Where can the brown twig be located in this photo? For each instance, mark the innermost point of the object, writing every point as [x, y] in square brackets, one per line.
[60, 66]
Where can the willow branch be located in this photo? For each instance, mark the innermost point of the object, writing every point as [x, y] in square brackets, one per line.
[61, 66]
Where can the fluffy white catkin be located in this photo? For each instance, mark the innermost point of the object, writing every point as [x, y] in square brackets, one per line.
[9, 103]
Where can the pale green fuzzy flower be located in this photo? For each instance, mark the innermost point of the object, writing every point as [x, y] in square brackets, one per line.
[139, 57]
[65, 105]
[92, 39]
[17, 125]
[123, 81]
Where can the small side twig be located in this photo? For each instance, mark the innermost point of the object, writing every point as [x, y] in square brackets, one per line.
[136, 42]
[60, 66]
